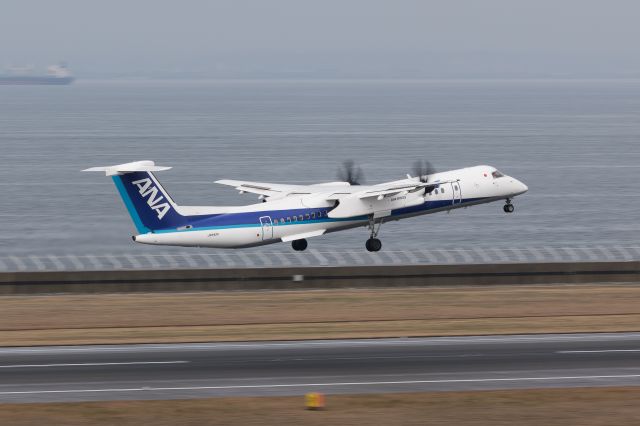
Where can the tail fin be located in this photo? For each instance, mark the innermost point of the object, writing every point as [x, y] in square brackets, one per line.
[150, 206]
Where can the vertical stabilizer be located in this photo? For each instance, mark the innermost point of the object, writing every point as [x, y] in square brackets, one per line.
[150, 206]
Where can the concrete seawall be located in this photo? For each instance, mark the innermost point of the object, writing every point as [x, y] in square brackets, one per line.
[291, 278]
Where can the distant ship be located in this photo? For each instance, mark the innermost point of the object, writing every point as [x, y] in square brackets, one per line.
[56, 74]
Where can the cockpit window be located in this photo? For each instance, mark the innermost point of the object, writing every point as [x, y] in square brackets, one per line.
[497, 174]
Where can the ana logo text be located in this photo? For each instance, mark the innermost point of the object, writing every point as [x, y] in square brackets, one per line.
[146, 188]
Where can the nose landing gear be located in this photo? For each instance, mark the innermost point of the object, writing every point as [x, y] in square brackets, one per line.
[373, 244]
[508, 207]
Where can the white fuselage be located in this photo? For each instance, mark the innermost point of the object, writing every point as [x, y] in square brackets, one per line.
[300, 216]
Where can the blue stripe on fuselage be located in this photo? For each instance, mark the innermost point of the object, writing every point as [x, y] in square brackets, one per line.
[252, 219]
[433, 205]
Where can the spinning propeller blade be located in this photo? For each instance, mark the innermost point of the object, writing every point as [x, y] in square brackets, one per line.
[422, 169]
[351, 173]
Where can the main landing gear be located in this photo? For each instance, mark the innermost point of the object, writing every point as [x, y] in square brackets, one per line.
[508, 207]
[373, 244]
[299, 245]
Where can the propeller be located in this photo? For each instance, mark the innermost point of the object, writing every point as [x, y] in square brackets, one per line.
[422, 169]
[351, 173]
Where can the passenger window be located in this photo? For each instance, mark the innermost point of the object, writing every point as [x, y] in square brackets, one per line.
[300, 218]
[313, 215]
[455, 187]
[442, 190]
[295, 218]
[275, 221]
[435, 190]
[307, 216]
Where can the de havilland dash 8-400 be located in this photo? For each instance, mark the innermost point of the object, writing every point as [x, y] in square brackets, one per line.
[294, 213]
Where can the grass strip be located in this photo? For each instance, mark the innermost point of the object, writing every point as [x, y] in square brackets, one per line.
[285, 315]
[550, 407]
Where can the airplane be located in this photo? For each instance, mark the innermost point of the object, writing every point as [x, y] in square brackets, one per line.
[295, 213]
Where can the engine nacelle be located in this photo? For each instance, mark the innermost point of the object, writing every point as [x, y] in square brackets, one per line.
[356, 206]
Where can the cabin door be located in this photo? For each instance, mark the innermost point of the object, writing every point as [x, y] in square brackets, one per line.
[267, 227]
[456, 191]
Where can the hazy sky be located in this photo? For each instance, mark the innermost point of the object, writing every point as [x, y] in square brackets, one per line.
[328, 37]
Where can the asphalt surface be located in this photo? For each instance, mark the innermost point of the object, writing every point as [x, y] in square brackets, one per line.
[87, 373]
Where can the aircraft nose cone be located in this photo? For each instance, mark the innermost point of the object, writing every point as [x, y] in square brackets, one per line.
[522, 188]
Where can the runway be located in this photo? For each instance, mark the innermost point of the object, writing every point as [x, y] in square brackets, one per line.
[179, 371]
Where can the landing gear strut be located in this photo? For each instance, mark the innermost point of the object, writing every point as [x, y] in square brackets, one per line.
[299, 245]
[373, 244]
[508, 208]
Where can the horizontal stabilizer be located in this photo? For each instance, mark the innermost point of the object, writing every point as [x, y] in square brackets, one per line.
[121, 169]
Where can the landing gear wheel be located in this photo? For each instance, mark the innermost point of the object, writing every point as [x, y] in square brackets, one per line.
[299, 245]
[373, 244]
[508, 208]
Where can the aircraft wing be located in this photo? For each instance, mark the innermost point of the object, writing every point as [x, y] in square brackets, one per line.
[266, 189]
[332, 191]
[394, 188]
[376, 200]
